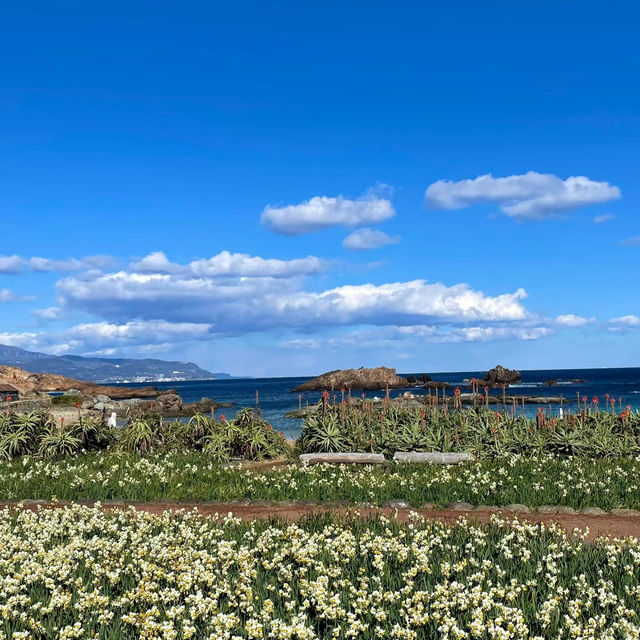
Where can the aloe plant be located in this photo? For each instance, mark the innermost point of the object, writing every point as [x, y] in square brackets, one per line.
[487, 433]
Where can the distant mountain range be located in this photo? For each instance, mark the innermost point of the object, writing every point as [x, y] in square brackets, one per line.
[105, 369]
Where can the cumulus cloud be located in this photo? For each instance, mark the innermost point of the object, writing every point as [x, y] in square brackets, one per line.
[11, 265]
[156, 262]
[626, 321]
[259, 302]
[50, 313]
[322, 212]
[530, 196]
[106, 336]
[631, 242]
[71, 264]
[368, 238]
[604, 218]
[137, 332]
[230, 264]
[25, 339]
[571, 320]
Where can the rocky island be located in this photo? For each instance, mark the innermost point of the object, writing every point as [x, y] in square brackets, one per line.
[355, 379]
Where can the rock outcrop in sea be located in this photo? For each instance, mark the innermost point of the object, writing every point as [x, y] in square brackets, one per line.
[355, 379]
[499, 375]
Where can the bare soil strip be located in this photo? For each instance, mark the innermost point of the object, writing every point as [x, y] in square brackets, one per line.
[614, 526]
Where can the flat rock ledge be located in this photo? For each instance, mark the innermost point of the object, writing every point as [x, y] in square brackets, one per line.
[342, 458]
[435, 457]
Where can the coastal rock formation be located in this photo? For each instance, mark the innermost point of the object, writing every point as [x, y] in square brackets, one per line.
[435, 384]
[29, 383]
[169, 402]
[499, 375]
[355, 379]
[423, 378]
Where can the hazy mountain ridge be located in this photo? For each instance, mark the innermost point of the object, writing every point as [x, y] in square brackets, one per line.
[105, 369]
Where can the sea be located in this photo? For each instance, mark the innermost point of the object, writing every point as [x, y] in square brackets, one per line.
[275, 396]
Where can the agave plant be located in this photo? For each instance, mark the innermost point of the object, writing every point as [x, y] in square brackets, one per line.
[217, 446]
[61, 442]
[138, 436]
[92, 433]
[323, 433]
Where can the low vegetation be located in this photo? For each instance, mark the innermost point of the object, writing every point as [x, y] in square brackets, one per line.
[589, 433]
[194, 476]
[589, 459]
[247, 436]
[86, 573]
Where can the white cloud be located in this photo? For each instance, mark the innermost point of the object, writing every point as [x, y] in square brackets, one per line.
[254, 303]
[242, 265]
[26, 340]
[230, 264]
[107, 336]
[571, 320]
[6, 295]
[368, 238]
[156, 262]
[404, 336]
[490, 334]
[530, 196]
[322, 212]
[604, 218]
[631, 242]
[11, 265]
[70, 264]
[50, 313]
[627, 321]
[137, 332]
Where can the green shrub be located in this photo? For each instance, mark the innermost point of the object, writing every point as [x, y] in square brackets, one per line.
[65, 401]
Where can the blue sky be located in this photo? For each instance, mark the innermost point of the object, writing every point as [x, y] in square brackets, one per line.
[284, 189]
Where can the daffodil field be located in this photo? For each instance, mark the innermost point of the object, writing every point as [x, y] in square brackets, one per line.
[193, 476]
[80, 573]
[85, 572]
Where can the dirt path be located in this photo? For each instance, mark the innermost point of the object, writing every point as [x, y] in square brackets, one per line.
[615, 526]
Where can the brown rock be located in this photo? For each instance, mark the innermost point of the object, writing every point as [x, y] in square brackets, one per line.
[169, 402]
[500, 375]
[27, 382]
[205, 404]
[360, 379]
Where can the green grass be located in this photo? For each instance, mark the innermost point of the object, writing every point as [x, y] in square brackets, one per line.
[79, 573]
[193, 476]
